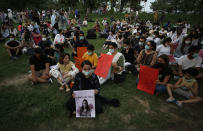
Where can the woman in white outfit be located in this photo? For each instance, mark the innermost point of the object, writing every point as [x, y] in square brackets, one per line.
[117, 66]
[64, 71]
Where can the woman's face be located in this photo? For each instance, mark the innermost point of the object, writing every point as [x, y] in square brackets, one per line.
[187, 76]
[149, 44]
[160, 60]
[125, 46]
[111, 47]
[66, 59]
[84, 104]
[168, 43]
[87, 68]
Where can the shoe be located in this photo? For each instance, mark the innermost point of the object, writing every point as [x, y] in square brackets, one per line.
[61, 88]
[179, 104]
[16, 57]
[170, 100]
[12, 57]
[50, 81]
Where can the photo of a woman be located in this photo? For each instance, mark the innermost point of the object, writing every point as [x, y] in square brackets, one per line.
[85, 110]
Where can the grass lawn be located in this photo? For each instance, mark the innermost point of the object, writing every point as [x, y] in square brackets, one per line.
[42, 107]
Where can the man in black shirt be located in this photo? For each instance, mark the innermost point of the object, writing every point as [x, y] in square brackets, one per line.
[39, 66]
[13, 47]
[82, 42]
[44, 41]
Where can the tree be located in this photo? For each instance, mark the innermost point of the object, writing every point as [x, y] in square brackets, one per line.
[68, 3]
[133, 4]
[195, 6]
[22, 4]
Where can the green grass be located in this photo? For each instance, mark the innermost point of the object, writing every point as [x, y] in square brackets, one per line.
[42, 107]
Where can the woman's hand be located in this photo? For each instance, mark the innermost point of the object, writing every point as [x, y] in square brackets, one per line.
[96, 91]
[158, 82]
[114, 65]
[73, 95]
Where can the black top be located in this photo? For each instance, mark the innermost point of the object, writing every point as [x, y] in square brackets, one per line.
[129, 57]
[39, 63]
[42, 43]
[165, 71]
[138, 49]
[134, 42]
[83, 83]
[13, 43]
[83, 43]
[77, 34]
[49, 52]
[67, 34]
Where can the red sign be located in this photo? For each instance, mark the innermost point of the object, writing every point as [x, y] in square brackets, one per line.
[147, 79]
[103, 66]
[81, 51]
[78, 60]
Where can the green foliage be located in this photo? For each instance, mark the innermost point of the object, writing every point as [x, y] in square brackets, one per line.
[22, 4]
[195, 6]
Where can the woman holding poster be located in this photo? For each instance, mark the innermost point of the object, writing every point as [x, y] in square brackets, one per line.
[118, 63]
[87, 80]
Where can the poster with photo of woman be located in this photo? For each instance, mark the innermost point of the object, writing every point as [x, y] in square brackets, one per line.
[85, 104]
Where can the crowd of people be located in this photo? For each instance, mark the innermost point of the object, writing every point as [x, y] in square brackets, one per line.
[176, 50]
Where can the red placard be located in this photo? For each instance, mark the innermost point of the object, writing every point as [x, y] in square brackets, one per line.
[78, 60]
[147, 79]
[81, 51]
[103, 66]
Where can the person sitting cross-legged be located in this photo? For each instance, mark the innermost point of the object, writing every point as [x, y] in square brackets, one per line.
[64, 71]
[91, 56]
[117, 66]
[186, 86]
[13, 47]
[39, 65]
[87, 80]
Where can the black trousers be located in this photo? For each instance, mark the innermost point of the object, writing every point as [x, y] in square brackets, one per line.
[98, 104]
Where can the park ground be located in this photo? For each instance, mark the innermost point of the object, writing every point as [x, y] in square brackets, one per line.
[42, 107]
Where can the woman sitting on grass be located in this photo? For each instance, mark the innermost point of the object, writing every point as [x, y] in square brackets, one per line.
[91, 56]
[165, 73]
[186, 86]
[148, 55]
[64, 71]
[118, 63]
[87, 80]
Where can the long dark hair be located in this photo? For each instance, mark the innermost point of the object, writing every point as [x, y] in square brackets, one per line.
[165, 58]
[62, 56]
[86, 103]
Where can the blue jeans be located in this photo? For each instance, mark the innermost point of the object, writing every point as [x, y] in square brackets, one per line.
[160, 88]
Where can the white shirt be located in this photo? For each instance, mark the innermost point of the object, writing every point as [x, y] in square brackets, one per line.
[157, 41]
[186, 63]
[161, 49]
[59, 39]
